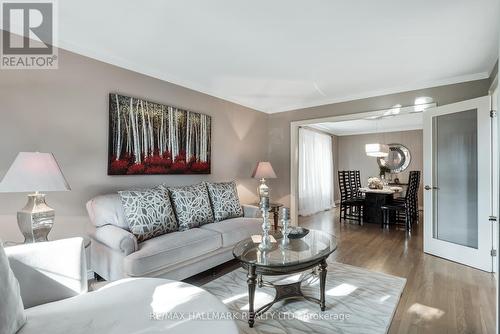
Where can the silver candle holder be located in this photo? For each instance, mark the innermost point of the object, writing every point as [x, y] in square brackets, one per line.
[265, 244]
[285, 225]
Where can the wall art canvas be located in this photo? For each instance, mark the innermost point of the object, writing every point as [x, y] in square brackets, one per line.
[152, 138]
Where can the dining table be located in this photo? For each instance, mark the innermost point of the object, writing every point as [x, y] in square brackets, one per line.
[375, 199]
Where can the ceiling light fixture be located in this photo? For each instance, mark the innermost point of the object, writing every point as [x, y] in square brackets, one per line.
[395, 110]
[422, 103]
[377, 150]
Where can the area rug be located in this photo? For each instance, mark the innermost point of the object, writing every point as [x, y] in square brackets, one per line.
[357, 301]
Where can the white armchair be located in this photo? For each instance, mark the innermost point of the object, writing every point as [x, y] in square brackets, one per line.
[52, 279]
[49, 271]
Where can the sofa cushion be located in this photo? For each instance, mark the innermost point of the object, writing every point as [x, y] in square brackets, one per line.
[149, 212]
[192, 205]
[235, 229]
[224, 199]
[12, 316]
[130, 306]
[169, 249]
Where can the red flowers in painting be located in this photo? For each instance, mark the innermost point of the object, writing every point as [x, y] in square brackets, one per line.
[157, 164]
[136, 169]
[119, 166]
[200, 166]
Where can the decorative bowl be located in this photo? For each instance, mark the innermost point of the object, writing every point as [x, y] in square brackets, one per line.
[297, 232]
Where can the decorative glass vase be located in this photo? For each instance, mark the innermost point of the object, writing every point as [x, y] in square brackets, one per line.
[285, 225]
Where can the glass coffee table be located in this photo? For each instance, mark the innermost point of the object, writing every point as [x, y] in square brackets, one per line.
[285, 257]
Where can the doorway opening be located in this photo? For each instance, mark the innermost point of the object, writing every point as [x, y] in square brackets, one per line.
[399, 127]
[408, 129]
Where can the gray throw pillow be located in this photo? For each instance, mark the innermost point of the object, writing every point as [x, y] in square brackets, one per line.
[225, 201]
[148, 212]
[192, 206]
[12, 316]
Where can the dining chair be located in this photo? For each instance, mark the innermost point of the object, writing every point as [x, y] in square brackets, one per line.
[351, 205]
[414, 203]
[357, 183]
[408, 206]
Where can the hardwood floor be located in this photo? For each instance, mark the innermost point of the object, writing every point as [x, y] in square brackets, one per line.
[440, 296]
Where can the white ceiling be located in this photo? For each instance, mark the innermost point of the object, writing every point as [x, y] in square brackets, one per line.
[405, 122]
[286, 54]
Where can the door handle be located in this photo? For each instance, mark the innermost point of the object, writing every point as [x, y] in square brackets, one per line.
[429, 188]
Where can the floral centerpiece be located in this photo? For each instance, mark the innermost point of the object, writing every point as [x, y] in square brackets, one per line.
[375, 183]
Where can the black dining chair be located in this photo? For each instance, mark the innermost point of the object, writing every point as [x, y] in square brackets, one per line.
[351, 205]
[355, 183]
[414, 203]
[405, 209]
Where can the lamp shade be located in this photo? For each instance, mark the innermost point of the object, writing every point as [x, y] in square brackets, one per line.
[264, 170]
[377, 150]
[32, 172]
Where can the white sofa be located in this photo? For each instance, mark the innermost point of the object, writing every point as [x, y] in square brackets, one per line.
[115, 253]
[53, 283]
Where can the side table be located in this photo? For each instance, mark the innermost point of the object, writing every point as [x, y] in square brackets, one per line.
[274, 208]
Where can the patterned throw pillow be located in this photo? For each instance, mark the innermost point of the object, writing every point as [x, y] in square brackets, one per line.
[225, 201]
[148, 212]
[192, 206]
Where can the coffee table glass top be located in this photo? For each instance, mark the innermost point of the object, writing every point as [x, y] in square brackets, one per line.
[314, 246]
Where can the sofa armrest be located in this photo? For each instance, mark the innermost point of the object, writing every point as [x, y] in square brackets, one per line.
[251, 211]
[116, 238]
[49, 271]
[107, 210]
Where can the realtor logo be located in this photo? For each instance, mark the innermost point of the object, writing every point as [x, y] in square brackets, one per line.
[28, 35]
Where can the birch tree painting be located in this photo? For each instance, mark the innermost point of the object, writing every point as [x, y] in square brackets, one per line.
[151, 138]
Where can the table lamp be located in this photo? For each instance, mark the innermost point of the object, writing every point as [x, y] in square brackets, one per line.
[34, 172]
[263, 171]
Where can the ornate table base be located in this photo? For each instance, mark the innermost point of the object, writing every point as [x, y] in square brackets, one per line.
[283, 291]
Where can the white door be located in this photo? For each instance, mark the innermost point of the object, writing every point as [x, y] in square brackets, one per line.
[457, 182]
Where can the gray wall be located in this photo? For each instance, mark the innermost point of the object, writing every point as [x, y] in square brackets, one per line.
[65, 111]
[279, 123]
[352, 154]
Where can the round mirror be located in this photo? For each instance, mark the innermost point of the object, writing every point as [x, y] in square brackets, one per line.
[398, 159]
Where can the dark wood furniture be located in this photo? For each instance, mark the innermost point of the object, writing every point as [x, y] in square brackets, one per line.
[372, 212]
[286, 257]
[404, 210]
[274, 208]
[351, 200]
[397, 184]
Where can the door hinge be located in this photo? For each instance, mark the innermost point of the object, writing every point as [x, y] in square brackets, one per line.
[493, 113]
[492, 218]
[493, 252]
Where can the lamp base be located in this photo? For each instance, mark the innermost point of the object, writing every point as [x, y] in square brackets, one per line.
[263, 189]
[35, 220]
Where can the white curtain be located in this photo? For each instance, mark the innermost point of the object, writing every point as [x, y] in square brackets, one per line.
[315, 172]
